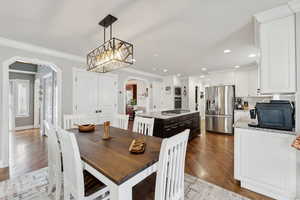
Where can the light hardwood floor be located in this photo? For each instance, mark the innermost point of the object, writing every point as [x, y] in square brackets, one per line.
[209, 157]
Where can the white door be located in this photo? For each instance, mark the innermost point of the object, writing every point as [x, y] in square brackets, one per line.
[86, 93]
[107, 97]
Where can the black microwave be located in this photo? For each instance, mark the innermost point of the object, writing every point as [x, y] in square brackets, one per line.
[277, 114]
[177, 91]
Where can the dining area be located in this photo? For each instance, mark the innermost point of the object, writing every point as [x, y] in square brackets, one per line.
[87, 160]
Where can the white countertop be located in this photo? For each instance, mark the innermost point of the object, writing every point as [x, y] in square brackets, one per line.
[158, 115]
[243, 123]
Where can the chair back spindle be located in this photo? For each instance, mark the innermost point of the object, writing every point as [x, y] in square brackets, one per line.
[143, 125]
[170, 174]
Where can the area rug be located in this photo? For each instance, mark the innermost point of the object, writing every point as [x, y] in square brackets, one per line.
[34, 186]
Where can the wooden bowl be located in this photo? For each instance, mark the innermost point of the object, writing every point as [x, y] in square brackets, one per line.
[87, 128]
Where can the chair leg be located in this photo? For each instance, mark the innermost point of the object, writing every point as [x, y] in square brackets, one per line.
[50, 186]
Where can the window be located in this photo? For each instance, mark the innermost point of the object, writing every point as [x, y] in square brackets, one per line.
[22, 97]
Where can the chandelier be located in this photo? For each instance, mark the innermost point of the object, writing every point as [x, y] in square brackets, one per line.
[112, 54]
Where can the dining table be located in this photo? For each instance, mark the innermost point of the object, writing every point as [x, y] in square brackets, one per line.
[111, 162]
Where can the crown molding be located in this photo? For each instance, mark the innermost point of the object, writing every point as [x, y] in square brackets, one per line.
[295, 5]
[274, 13]
[40, 50]
[135, 71]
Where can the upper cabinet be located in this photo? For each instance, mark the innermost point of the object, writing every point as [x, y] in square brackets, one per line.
[277, 44]
[241, 84]
[246, 82]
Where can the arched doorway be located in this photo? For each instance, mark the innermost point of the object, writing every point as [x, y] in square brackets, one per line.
[136, 96]
[57, 101]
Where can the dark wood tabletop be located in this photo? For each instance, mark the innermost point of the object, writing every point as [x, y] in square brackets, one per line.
[112, 157]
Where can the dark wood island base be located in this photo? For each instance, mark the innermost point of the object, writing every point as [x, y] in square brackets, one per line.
[168, 126]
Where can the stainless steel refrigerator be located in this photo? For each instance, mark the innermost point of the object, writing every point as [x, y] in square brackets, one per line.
[219, 108]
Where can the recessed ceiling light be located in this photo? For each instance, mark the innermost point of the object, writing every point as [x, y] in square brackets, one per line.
[227, 51]
[252, 55]
[237, 66]
[155, 55]
[165, 70]
[202, 76]
[178, 75]
[204, 69]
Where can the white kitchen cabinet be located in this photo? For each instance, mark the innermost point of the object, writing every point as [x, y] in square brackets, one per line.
[265, 162]
[95, 93]
[253, 82]
[278, 56]
[241, 83]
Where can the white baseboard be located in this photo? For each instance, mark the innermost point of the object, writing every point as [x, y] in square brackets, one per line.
[23, 127]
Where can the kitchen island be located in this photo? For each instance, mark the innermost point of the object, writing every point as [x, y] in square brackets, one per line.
[171, 122]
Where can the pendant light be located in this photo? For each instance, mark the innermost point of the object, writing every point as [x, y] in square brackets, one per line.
[112, 54]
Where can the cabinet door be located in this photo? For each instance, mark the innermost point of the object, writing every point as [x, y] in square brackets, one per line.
[85, 92]
[107, 97]
[267, 162]
[241, 83]
[253, 82]
[278, 68]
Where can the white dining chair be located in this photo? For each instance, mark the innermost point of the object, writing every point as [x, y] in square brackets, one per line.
[170, 174]
[54, 161]
[121, 121]
[78, 181]
[143, 125]
[70, 121]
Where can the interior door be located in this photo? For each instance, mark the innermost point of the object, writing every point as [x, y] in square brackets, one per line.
[86, 93]
[107, 98]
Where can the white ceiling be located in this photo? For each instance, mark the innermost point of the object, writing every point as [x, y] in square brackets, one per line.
[180, 35]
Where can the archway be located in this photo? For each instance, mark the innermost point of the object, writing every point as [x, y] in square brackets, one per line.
[141, 100]
[5, 101]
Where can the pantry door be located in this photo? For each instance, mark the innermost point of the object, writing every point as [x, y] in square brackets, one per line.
[108, 97]
[85, 92]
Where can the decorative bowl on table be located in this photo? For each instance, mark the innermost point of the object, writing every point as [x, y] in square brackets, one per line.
[86, 128]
